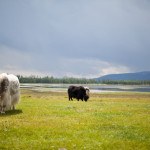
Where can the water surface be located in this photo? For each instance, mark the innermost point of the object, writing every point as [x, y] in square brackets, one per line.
[93, 88]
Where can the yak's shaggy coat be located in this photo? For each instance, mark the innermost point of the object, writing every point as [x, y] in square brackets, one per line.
[9, 91]
[78, 93]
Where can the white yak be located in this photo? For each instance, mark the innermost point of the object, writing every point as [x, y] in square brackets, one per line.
[9, 91]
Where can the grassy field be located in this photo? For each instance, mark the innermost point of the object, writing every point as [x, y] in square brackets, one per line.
[48, 121]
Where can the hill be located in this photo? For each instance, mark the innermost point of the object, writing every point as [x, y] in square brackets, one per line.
[126, 76]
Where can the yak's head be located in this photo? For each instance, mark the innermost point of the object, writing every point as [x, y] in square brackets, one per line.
[86, 97]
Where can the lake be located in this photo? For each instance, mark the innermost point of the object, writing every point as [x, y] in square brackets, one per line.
[93, 88]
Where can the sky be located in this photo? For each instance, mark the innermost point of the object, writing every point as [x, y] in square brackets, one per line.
[74, 38]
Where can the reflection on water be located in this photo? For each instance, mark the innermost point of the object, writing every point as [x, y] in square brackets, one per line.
[93, 88]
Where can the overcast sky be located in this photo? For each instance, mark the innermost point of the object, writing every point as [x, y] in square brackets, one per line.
[74, 38]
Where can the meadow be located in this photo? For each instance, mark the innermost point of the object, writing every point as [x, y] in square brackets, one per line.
[46, 120]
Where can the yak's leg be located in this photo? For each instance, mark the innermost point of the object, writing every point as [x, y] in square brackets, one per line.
[3, 109]
[70, 98]
[13, 107]
[15, 99]
[5, 101]
[0, 108]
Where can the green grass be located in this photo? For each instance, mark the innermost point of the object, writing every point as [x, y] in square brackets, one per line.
[47, 120]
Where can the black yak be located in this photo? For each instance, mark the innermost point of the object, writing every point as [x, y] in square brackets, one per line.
[78, 93]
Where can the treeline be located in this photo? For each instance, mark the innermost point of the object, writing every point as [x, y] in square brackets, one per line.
[126, 82]
[34, 79]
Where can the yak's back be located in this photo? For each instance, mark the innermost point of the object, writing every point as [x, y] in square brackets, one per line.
[14, 83]
[76, 89]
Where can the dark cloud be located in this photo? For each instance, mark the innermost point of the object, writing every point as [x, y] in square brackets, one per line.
[54, 32]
